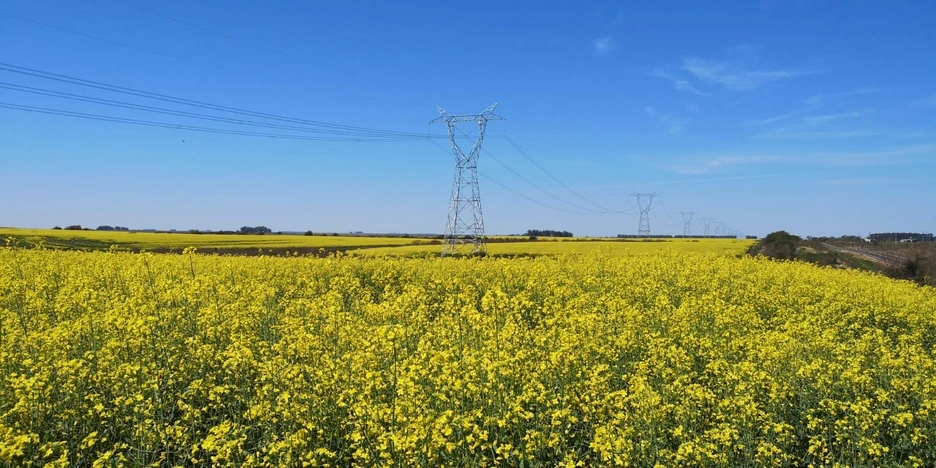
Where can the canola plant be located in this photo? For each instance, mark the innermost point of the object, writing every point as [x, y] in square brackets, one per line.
[667, 359]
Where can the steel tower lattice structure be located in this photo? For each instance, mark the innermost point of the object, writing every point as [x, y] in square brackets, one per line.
[465, 225]
[643, 229]
[707, 223]
[687, 222]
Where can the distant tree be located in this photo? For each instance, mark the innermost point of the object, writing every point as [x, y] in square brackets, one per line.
[547, 233]
[105, 228]
[58, 228]
[255, 230]
[73, 227]
[779, 244]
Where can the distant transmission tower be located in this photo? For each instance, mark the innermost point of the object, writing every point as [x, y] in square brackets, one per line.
[465, 224]
[687, 223]
[644, 200]
[707, 224]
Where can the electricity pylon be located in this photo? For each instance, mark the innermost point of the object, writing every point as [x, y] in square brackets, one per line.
[687, 223]
[643, 228]
[463, 229]
[706, 224]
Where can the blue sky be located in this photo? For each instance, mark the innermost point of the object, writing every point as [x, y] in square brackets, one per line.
[814, 117]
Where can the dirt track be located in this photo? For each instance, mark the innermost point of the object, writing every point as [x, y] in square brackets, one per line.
[882, 258]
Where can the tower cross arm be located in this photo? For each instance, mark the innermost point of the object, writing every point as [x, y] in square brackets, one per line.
[444, 117]
[488, 114]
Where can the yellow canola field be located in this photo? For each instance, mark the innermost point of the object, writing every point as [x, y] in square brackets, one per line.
[608, 247]
[652, 360]
[56, 238]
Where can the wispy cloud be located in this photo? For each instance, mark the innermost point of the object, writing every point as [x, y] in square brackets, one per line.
[814, 103]
[775, 4]
[821, 119]
[603, 45]
[819, 135]
[893, 156]
[679, 83]
[819, 100]
[774, 119]
[674, 125]
[694, 180]
[828, 163]
[928, 101]
[919, 135]
[707, 165]
[861, 181]
[735, 76]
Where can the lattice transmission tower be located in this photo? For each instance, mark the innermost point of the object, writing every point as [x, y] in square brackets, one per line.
[687, 223]
[644, 200]
[464, 229]
[707, 224]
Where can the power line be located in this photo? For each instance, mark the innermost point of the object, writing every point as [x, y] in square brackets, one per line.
[182, 59]
[673, 221]
[554, 178]
[200, 104]
[148, 123]
[533, 184]
[536, 186]
[165, 111]
[511, 190]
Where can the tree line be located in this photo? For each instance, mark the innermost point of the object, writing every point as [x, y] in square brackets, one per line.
[547, 233]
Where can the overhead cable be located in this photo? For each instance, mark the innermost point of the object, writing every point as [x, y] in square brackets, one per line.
[200, 104]
[148, 123]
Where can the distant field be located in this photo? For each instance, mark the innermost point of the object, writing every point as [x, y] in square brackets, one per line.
[612, 247]
[124, 240]
[403, 246]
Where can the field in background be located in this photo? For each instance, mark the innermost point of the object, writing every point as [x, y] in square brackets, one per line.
[278, 244]
[161, 241]
[610, 247]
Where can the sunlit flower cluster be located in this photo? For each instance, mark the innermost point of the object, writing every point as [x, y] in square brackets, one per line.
[663, 359]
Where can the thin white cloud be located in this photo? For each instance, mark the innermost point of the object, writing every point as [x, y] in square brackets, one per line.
[694, 180]
[734, 76]
[674, 125]
[786, 133]
[814, 103]
[708, 165]
[820, 99]
[919, 135]
[776, 4]
[679, 83]
[894, 156]
[603, 45]
[774, 119]
[821, 119]
[861, 181]
[928, 101]
[831, 161]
